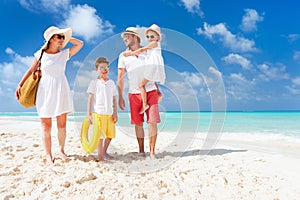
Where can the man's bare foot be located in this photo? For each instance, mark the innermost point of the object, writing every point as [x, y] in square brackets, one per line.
[48, 160]
[144, 108]
[107, 156]
[152, 156]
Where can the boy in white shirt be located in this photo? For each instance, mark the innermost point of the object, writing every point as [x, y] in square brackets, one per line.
[102, 94]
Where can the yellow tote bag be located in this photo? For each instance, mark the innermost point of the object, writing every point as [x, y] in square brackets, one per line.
[29, 88]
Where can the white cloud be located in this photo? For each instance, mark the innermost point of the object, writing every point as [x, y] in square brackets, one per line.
[296, 55]
[237, 59]
[86, 23]
[250, 19]
[50, 6]
[229, 40]
[215, 72]
[12, 72]
[78, 64]
[273, 73]
[193, 6]
[82, 18]
[293, 37]
[296, 81]
[240, 88]
[193, 78]
[293, 90]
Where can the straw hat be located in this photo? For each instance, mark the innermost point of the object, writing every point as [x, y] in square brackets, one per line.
[154, 28]
[132, 30]
[52, 30]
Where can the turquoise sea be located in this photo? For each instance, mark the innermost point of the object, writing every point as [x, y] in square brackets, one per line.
[271, 124]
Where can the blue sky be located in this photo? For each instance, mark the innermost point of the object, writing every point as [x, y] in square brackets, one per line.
[254, 46]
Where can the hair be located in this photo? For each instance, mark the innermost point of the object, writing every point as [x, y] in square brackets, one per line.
[101, 60]
[138, 38]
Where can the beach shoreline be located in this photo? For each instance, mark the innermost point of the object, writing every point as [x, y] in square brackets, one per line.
[231, 170]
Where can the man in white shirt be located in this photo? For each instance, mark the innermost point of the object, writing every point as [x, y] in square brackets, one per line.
[134, 66]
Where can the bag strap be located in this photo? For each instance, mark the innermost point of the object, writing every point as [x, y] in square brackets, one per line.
[38, 64]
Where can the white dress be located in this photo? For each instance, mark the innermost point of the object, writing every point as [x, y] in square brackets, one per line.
[53, 95]
[154, 68]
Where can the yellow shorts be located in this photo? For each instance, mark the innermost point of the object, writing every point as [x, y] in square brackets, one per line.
[107, 126]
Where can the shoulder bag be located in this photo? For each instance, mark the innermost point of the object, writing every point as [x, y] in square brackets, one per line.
[29, 88]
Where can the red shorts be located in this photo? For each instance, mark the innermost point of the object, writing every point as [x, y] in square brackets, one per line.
[152, 112]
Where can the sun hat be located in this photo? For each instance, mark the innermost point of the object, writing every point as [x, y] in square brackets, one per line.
[132, 30]
[154, 28]
[52, 30]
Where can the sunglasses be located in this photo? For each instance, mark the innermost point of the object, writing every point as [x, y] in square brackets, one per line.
[60, 37]
[103, 69]
[126, 36]
[150, 36]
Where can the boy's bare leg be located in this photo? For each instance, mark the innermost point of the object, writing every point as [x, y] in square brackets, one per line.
[106, 144]
[100, 150]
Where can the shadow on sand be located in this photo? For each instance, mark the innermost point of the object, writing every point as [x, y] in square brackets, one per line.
[131, 156]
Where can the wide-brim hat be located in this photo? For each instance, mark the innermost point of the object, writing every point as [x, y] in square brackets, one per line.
[132, 30]
[52, 30]
[154, 28]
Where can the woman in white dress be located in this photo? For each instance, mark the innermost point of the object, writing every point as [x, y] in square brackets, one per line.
[53, 97]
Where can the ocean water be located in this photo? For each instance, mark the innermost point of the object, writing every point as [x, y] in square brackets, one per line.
[272, 125]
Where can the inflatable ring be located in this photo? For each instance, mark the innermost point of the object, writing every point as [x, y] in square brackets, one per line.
[90, 146]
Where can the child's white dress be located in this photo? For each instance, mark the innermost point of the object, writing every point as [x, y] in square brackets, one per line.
[154, 68]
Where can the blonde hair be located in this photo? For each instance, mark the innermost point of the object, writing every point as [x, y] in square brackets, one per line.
[101, 60]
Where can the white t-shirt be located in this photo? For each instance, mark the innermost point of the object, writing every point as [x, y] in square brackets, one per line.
[103, 95]
[135, 67]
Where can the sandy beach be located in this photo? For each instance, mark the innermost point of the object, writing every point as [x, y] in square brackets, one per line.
[231, 170]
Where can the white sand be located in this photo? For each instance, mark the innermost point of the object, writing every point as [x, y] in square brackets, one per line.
[232, 170]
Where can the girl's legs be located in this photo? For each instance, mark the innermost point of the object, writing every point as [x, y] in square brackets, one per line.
[144, 95]
[61, 127]
[46, 124]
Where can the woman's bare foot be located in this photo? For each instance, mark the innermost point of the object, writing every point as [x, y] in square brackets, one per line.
[64, 156]
[144, 108]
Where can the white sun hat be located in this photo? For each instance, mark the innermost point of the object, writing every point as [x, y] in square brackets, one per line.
[52, 30]
[132, 30]
[154, 28]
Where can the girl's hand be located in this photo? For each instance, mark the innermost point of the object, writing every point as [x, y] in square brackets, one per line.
[127, 53]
